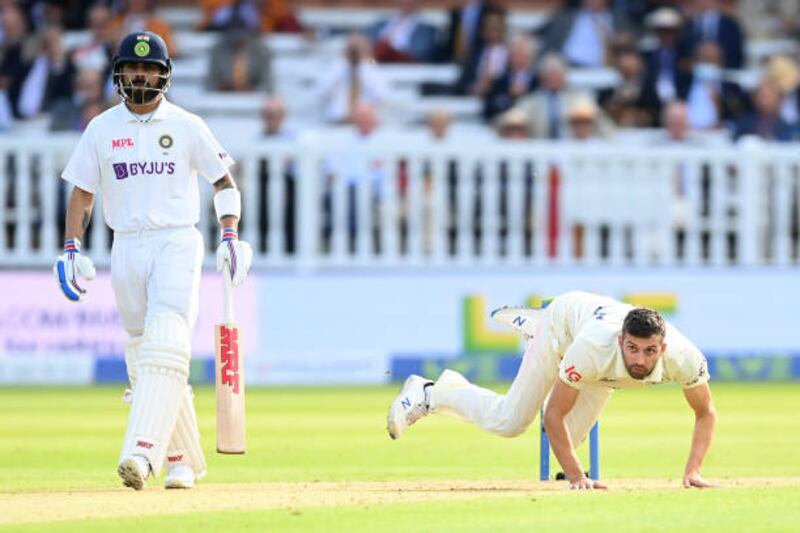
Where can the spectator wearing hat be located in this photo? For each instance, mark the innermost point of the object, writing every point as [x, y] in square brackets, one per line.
[663, 62]
[582, 117]
[546, 108]
[513, 124]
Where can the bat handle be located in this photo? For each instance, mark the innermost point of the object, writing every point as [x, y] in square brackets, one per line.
[228, 292]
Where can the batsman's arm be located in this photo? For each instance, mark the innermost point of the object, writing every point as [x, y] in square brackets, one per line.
[228, 220]
[79, 213]
[705, 418]
[236, 254]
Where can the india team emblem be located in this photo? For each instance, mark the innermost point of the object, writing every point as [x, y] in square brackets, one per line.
[142, 48]
[165, 141]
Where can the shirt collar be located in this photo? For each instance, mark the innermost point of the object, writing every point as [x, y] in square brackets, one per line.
[159, 114]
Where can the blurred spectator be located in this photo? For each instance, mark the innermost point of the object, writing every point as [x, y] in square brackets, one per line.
[463, 37]
[513, 124]
[403, 38]
[438, 123]
[273, 114]
[582, 116]
[663, 62]
[352, 80]
[487, 63]
[357, 170]
[97, 53]
[583, 34]
[68, 114]
[770, 19]
[240, 61]
[518, 80]
[49, 78]
[546, 109]
[765, 121]
[18, 50]
[138, 15]
[634, 102]
[43, 13]
[676, 128]
[708, 23]
[783, 71]
[711, 100]
[261, 15]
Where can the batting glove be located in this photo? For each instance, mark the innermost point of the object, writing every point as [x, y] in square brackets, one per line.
[237, 254]
[68, 265]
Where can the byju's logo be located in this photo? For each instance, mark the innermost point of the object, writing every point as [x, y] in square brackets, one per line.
[121, 170]
[125, 170]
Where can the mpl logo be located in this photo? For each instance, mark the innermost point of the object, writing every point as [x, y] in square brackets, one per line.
[229, 357]
[125, 142]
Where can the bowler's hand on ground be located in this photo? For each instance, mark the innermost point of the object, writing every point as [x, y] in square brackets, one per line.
[67, 267]
[693, 479]
[584, 483]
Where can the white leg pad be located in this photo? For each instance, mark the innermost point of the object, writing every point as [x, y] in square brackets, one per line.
[131, 355]
[161, 371]
[184, 446]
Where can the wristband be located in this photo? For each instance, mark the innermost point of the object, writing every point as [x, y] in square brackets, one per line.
[228, 202]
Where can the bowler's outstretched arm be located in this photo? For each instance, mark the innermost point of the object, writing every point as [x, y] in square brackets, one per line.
[705, 418]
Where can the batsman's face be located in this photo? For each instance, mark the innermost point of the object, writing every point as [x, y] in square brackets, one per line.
[141, 76]
[641, 354]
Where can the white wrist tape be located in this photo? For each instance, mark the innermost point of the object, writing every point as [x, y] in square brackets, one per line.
[228, 202]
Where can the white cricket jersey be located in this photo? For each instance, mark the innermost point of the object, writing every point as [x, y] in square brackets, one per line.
[591, 326]
[147, 171]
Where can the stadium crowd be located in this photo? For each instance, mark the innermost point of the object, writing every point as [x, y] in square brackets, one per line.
[687, 68]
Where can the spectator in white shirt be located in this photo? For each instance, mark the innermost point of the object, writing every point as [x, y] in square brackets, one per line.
[352, 80]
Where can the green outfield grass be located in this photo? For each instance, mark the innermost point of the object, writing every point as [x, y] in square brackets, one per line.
[67, 440]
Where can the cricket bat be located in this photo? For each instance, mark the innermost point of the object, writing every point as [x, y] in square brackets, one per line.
[229, 379]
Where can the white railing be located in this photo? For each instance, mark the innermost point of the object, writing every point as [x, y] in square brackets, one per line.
[400, 203]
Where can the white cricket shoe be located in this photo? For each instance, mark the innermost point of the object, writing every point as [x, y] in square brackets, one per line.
[523, 320]
[180, 477]
[408, 407]
[134, 471]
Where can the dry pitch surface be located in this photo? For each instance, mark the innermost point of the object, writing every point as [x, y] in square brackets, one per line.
[40, 507]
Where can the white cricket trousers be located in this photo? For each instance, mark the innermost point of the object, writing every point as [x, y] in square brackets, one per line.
[510, 414]
[155, 272]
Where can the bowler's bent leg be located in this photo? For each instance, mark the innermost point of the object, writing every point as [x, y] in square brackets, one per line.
[507, 414]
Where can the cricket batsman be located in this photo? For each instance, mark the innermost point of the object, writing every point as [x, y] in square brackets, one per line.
[144, 155]
[579, 349]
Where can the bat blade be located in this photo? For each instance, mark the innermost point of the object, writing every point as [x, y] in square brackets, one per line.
[230, 390]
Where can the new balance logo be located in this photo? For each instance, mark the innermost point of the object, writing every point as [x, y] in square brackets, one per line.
[518, 320]
[405, 402]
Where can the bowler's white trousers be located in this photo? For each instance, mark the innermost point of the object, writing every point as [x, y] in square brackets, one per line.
[510, 414]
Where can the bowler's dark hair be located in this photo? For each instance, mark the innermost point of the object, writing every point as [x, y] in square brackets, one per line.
[644, 323]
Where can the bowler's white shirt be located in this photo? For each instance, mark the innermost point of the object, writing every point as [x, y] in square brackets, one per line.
[594, 356]
[147, 171]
